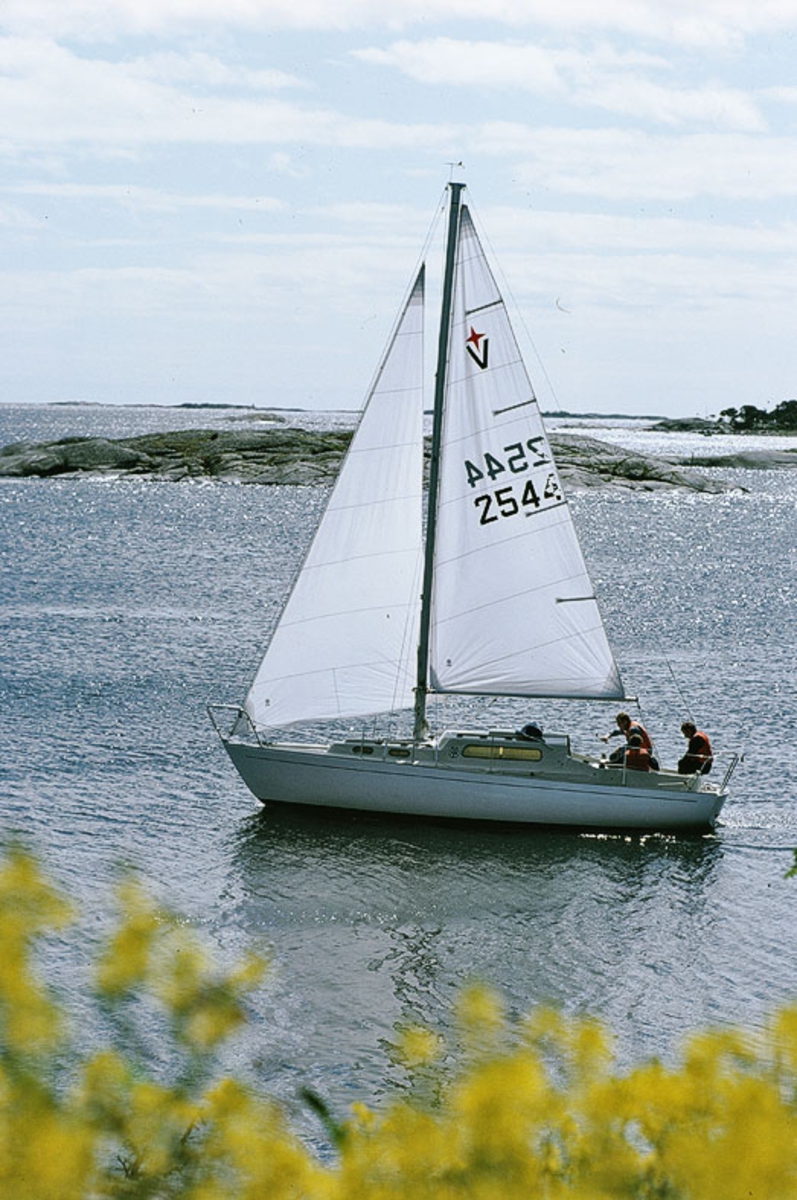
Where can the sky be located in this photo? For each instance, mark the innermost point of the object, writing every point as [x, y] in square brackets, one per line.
[224, 201]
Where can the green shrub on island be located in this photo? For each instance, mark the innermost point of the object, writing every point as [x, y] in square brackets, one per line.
[535, 1107]
[749, 419]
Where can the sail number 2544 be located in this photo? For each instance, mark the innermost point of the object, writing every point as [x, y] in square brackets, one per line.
[516, 459]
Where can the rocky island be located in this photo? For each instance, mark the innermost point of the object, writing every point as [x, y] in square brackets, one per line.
[301, 456]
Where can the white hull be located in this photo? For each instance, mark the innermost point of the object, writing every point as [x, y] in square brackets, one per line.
[428, 783]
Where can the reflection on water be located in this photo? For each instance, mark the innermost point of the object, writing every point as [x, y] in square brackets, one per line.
[341, 843]
[380, 921]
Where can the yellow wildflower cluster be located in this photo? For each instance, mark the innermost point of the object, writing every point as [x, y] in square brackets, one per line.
[536, 1108]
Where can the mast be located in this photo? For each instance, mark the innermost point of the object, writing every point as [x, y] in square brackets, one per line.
[421, 688]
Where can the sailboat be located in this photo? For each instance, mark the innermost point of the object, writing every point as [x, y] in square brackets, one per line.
[485, 593]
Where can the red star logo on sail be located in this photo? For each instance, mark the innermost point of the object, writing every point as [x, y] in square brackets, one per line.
[476, 345]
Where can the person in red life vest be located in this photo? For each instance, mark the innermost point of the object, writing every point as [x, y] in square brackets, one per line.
[699, 755]
[628, 728]
[636, 755]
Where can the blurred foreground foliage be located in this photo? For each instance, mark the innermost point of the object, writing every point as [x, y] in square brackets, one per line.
[536, 1108]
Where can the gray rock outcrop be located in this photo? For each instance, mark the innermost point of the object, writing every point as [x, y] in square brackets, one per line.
[750, 460]
[586, 462]
[300, 456]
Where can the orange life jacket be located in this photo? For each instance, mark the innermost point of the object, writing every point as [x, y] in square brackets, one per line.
[635, 727]
[637, 758]
[700, 746]
[699, 756]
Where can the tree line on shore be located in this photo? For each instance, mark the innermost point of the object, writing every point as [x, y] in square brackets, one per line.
[749, 418]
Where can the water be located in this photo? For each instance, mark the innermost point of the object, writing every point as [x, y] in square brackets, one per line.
[49, 422]
[126, 605]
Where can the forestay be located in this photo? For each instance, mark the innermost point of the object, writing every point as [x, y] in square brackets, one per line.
[513, 608]
[346, 642]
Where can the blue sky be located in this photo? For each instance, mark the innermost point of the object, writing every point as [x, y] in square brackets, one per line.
[224, 200]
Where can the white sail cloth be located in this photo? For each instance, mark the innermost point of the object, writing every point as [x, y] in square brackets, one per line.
[513, 607]
[346, 642]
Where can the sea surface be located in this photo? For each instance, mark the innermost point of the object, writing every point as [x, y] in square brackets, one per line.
[127, 605]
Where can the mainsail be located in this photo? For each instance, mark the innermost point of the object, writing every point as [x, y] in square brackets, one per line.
[346, 641]
[513, 609]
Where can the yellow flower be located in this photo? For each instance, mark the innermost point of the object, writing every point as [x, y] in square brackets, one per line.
[27, 901]
[419, 1047]
[29, 906]
[784, 1039]
[126, 961]
[480, 1007]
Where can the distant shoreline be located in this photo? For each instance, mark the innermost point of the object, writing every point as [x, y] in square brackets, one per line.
[559, 415]
[707, 426]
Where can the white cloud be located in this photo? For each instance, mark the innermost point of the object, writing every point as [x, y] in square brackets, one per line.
[599, 78]
[644, 101]
[48, 91]
[50, 96]
[593, 233]
[783, 95]
[284, 164]
[207, 70]
[475, 64]
[142, 198]
[17, 218]
[52, 99]
[695, 22]
[620, 165]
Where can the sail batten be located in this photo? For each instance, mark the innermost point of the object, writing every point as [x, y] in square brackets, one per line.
[514, 599]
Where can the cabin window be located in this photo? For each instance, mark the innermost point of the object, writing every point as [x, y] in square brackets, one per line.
[362, 749]
[399, 752]
[526, 753]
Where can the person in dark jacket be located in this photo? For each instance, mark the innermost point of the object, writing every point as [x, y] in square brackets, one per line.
[699, 755]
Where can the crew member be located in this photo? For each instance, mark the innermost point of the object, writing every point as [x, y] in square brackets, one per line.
[699, 755]
[636, 754]
[627, 728]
